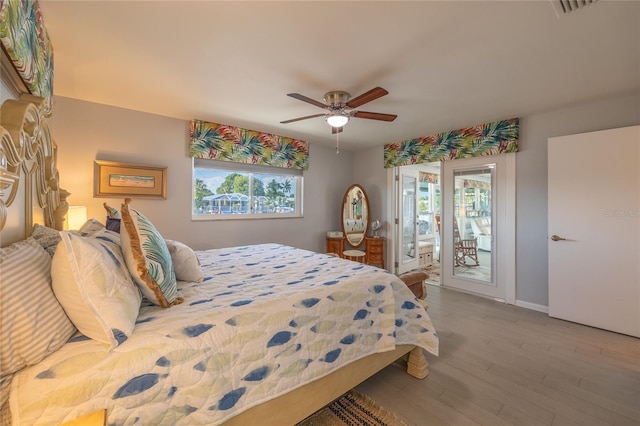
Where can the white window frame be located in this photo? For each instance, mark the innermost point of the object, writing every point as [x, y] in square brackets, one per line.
[233, 167]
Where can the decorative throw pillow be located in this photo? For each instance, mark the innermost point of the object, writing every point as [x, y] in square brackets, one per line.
[93, 285]
[113, 224]
[111, 212]
[185, 262]
[113, 218]
[47, 237]
[148, 258]
[32, 322]
[90, 227]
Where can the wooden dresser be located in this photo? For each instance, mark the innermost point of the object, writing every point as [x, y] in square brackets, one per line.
[334, 245]
[375, 251]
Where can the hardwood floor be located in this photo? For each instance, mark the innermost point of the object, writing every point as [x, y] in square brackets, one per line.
[505, 365]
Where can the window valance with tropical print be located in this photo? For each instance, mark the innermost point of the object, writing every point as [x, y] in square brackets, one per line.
[26, 41]
[429, 177]
[484, 139]
[476, 184]
[229, 143]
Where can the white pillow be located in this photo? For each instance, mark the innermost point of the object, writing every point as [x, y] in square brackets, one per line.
[148, 258]
[93, 285]
[90, 227]
[32, 322]
[185, 262]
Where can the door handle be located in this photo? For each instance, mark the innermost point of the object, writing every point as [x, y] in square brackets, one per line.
[557, 238]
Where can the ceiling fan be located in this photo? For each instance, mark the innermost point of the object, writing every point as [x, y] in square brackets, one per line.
[340, 107]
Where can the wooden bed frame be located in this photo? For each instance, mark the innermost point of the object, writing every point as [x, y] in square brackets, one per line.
[32, 167]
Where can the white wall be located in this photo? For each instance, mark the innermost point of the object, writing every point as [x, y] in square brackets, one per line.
[87, 131]
[531, 180]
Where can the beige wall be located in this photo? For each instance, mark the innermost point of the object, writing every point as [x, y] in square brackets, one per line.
[87, 131]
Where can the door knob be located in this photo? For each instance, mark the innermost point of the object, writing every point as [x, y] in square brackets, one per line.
[557, 238]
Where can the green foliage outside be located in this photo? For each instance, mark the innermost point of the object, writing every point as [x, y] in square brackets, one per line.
[239, 184]
[276, 193]
[200, 191]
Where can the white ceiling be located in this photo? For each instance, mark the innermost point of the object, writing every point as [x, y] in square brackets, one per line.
[446, 65]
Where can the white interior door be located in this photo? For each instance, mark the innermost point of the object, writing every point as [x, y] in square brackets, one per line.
[594, 210]
[407, 233]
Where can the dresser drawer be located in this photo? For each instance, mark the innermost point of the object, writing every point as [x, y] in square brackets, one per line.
[334, 245]
[375, 256]
[375, 251]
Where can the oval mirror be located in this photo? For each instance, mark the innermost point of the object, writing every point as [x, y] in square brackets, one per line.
[355, 215]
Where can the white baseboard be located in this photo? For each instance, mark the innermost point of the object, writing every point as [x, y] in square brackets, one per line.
[532, 306]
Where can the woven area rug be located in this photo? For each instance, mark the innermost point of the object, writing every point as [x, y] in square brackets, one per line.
[353, 409]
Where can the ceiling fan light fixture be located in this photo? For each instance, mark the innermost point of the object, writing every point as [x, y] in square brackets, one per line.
[337, 120]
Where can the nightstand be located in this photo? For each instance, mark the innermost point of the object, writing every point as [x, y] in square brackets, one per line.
[375, 251]
[334, 245]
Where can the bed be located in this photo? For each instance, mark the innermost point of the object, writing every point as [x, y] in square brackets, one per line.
[268, 334]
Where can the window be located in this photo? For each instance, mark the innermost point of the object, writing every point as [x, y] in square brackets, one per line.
[227, 190]
[428, 204]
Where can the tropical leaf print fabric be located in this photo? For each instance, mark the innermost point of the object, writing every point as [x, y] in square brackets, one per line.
[27, 43]
[484, 139]
[147, 257]
[228, 143]
[267, 319]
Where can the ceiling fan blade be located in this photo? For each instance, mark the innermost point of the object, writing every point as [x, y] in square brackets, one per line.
[369, 96]
[335, 130]
[374, 115]
[303, 98]
[301, 118]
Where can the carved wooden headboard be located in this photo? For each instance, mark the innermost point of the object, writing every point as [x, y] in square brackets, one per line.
[29, 179]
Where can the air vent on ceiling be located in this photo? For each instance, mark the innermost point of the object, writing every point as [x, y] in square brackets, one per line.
[563, 7]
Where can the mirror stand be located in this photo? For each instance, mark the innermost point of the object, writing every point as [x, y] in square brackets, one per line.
[353, 243]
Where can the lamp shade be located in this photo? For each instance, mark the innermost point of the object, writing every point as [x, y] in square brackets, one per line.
[337, 120]
[76, 217]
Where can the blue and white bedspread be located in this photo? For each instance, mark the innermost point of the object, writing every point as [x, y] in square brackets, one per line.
[267, 319]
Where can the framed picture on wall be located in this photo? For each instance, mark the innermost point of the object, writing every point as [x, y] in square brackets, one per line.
[120, 179]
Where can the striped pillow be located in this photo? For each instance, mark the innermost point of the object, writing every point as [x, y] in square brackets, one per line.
[32, 322]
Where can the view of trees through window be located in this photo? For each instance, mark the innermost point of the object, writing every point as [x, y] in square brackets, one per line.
[428, 206]
[233, 192]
